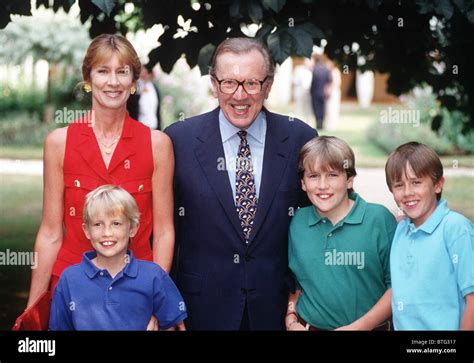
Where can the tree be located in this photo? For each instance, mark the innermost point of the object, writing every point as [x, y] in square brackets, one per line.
[415, 41]
[48, 35]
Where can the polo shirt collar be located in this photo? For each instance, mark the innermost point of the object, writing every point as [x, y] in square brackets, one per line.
[256, 129]
[435, 218]
[91, 270]
[355, 215]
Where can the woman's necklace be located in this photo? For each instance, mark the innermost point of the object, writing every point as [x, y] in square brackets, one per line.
[108, 148]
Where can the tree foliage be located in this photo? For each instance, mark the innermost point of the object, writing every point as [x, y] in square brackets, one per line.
[53, 36]
[415, 41]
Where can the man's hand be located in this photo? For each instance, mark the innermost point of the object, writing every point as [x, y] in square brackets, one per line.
[181, 326]
[178, 327]
[296, 326]
[153, 324]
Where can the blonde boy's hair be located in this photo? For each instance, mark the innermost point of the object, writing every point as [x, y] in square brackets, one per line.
[113, 201]
[327, 152]
[421, 158]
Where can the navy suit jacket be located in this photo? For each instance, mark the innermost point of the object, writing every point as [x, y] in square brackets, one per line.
[215, 270]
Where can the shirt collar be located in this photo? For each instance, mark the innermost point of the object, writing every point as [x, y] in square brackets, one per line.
[355, 215]
[256, 129]
[91, 270]
[434, 219]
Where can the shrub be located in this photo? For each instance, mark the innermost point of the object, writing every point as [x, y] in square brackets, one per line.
[22, 99]
[20, 128]
[452, 123]
[389, 136]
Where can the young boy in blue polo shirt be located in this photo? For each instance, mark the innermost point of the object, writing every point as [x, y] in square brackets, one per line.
[432, 256]
[110, 289]
[338, 247]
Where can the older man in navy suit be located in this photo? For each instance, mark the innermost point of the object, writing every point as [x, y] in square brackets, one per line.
[236, 189]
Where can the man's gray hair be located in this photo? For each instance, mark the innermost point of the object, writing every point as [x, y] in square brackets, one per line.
[243, 45]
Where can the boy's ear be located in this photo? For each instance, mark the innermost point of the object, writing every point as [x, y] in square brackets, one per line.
[350, 183]
[439, 185]
[86, 230]
[134, 229]
[303, 186]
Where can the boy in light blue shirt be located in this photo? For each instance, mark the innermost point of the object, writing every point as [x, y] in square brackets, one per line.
[432, 255]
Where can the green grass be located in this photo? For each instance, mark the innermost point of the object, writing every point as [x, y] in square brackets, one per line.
[459, 192]
[23, 152]
[352, 128]
[20, 201]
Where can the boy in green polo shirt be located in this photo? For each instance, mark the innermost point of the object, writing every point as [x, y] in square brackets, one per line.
[338, 248]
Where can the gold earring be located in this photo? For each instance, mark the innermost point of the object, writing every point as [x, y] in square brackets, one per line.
[87, 88]
[133, 89]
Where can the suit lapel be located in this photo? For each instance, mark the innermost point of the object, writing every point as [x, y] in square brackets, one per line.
[210, 154]
[275, 160]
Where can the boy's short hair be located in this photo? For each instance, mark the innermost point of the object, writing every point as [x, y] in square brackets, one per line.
[112, 200]
[327, 152]
[421, 158]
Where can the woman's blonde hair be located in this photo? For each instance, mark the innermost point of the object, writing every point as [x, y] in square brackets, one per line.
[102, 48]
[111, 200]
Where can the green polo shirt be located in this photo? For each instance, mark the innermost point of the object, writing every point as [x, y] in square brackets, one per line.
[342, 270]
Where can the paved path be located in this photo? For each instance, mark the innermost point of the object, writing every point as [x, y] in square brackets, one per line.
[21, 167]
[369, 183]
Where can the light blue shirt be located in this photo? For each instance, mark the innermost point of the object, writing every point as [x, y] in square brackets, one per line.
[432, 270]
[255, 138]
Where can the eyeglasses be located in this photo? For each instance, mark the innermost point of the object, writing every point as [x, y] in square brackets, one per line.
[229, 86]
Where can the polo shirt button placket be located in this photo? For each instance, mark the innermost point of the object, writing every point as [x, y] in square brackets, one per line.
[411, 233]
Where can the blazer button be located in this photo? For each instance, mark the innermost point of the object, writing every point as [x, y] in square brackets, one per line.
[77, 183]
[140, 187]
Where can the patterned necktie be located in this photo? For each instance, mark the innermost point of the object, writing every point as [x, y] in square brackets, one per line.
[245, 192]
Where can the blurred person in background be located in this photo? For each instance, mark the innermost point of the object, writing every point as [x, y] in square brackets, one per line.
[320, 89]
[145, 104]
[333, 103]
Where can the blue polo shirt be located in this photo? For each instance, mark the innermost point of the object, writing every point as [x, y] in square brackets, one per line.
[432, 270]
[88, 298]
